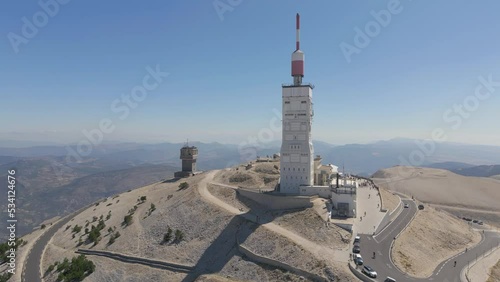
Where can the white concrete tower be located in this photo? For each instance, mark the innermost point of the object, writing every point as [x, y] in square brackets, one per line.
[296, 161]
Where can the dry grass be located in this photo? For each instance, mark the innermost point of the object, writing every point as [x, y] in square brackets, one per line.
[266, 243]
[310, 225]
[439, 186]
[202, 223]
[432, 237]
[184, 210]
[263, 175]
[495, 273]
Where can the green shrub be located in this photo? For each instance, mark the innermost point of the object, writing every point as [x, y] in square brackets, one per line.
[94, 235]
[76, 270]
[101, 225]
[5, 277]
[127, 220]
[183, 185]
[51, 267]
[179, 235]
[167, 236]
[77, 229]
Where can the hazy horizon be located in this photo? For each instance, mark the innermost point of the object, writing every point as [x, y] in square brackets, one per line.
[17, 143]
[215, 74]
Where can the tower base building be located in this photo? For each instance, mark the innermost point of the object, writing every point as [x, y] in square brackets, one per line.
[300, 172]
[189, 155]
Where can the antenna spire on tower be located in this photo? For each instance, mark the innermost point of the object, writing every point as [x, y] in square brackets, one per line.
[297, 56]
[297, 47]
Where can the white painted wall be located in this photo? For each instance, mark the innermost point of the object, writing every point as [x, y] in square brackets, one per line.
[297, 153]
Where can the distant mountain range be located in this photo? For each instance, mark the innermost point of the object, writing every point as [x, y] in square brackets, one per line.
[52, 182]
[364, 159]
[481, 171]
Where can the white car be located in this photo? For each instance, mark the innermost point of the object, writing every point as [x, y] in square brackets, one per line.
[406, 206]
[369, 271]
[358, 259]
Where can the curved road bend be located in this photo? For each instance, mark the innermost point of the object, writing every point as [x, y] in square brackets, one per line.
[32, 271]
[444, 272]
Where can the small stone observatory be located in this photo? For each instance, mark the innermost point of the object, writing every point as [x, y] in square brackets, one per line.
[188, 155]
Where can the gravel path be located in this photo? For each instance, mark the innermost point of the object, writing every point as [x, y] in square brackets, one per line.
[321, 252]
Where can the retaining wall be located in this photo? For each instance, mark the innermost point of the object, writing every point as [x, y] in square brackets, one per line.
[321, 191]
[346, 226]
[144, 261]
[279, 264]
[276, 202]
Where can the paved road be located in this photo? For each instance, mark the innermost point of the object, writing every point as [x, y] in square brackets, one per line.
[33, 261]
[445, 272]
[381, 245]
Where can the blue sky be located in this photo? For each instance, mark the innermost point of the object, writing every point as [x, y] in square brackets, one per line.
[226, 69]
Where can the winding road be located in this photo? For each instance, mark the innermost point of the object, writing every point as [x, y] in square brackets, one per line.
[34, 258]
[380, 244]
[31, 273]
[444, 272]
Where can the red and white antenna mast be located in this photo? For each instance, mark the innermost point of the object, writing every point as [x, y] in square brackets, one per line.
[297, 19]
[297, 57]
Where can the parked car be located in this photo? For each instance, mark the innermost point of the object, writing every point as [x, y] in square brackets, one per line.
[358, 259]
[475, 221]
[480, 223]
[389, 279]
[369, 271]
[357, 239]
[356, 249]
[420, 207]
[406, 206]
